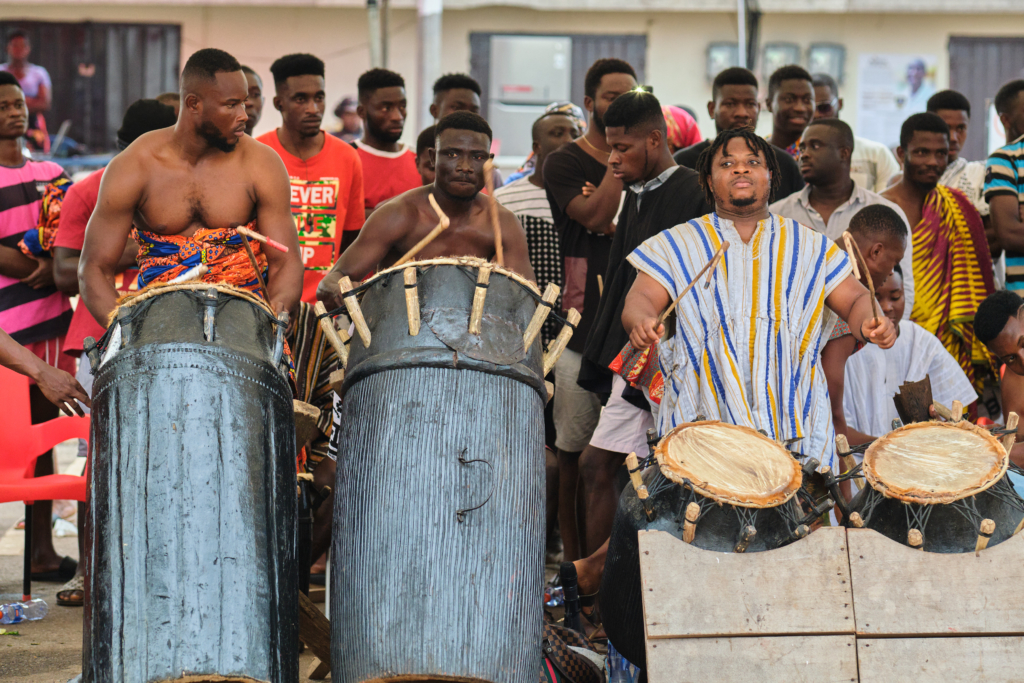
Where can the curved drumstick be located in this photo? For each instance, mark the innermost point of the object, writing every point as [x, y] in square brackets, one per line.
[442, 223]
[855, 255]
[709, 268]
[259, 237]
[489, 182]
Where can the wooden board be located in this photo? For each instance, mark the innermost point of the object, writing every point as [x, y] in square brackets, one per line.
[782, 659]
[900, 591]
[951, 660]
[803, 588]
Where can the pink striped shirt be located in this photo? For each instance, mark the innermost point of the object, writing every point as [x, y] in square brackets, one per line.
[28, 315]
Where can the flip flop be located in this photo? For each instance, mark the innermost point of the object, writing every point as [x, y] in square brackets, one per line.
[66, 596]
[64, 573]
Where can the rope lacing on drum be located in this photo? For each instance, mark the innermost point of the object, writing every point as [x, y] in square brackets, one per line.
[1003, 432]
[690, 496]
[853, 473]
[466, 270]
[871, 500]
[918, 515]
[1004, 491]
[968, 508]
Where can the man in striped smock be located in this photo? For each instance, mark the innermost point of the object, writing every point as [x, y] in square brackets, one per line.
[746, 350]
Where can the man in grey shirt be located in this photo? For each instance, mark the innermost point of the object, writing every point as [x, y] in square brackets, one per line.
[831, 197]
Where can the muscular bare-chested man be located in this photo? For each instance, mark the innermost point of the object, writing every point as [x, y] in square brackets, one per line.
[194, 183]
[463, 143]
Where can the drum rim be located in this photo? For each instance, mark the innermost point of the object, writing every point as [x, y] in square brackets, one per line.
[922, 497]
[469, 261]
[157, 288]
[719, 496]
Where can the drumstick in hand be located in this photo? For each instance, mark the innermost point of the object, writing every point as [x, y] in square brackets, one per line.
[489, 182]
[443, 222]
[709, 268]
[255, 265]
[253, 235]
[854, 251]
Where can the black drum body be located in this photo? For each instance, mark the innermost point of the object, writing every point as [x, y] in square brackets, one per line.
[719, 529]
[946, 528]
[193, 499]
[437, 556]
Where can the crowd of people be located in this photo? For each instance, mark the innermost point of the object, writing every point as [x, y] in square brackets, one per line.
[619, 205]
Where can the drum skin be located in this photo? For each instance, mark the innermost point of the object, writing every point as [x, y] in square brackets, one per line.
[192, 562]
[947, 530]
[718, 529]
[437, 556]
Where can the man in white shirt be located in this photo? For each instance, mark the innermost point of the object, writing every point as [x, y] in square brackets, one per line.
[831, 198]
[872, 163]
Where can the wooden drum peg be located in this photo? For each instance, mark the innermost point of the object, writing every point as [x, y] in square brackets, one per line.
[540, 315]
[985, 531]
[690, 525]
[572, 318]
[483, 278]
[746, 537]
[336, 380]
[1010, 439]
[915, 539]
[354, 311]
[412, 300]
[327, 325]
[856, 520]
[957, 409]
[942, 411]
[633, 466]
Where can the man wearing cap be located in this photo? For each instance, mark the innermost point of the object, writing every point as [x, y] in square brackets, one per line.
[347, 112]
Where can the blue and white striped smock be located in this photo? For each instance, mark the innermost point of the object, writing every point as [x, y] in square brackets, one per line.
[747, 349]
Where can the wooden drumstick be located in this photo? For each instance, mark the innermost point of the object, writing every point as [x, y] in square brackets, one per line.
[690, 525]
[327, 325]
[541, 314]
[855, 255]
[483, 278]
[985, 531]
[259, 237]
[442, 223]
[708, 268]
[495, 223]
[412, 300]
[1010, 439]
[255, 266]
[942, 411]
[572, 318]
[354, 311]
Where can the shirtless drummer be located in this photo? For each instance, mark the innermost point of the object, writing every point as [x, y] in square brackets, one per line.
[190, 185]
[462, 147]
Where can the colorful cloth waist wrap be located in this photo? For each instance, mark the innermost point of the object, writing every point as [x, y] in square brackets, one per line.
[38, 241]
[164, 257]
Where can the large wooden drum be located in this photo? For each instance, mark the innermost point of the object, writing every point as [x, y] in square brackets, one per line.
[192, 560]
[937, 486]
[718, 486]
[437, 555]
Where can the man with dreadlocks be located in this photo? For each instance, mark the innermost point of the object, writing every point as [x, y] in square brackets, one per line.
[746, 350]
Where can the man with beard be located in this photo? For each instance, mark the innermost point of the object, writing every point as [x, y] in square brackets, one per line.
[585, 220]
[734, 104]
[952, 264]
[186, 189]
[325, 173]
[760, 370]
[389, 167]
[254, 104]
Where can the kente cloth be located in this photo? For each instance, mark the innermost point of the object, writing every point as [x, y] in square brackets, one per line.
[314, 360]
[874, 375]
[39, 240]
[746, 349]
[164, 257]
[953, 275]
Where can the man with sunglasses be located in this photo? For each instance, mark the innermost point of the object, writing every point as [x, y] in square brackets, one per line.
[872, 164]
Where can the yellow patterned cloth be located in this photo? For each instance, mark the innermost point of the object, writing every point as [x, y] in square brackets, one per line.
[952, 275]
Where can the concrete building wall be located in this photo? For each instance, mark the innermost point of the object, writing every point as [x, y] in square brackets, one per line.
[676, 40]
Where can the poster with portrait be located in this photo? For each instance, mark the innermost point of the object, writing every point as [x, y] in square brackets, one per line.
[891, 88]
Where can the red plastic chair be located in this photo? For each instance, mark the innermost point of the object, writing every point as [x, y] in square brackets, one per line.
[21, 445]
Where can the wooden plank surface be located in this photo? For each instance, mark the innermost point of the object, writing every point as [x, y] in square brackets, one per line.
[780, 659]
[900, 591]
[977, 659]
[803, 588]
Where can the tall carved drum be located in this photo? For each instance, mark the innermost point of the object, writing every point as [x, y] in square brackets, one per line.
[193, 569]
[437, 556]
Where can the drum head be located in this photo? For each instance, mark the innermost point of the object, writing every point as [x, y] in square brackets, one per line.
[934, 462]
[729, 464]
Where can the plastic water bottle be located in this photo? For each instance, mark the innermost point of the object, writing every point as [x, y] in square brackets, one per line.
[16, 612]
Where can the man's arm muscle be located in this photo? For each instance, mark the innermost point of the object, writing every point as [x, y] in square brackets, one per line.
[851, 301]
[1005, 216]
[274, 219]
[513, 245]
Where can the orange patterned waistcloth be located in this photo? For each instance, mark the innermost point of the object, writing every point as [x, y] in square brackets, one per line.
[164, 257]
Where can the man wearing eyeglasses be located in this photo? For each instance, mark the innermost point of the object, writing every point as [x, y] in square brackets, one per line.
[872, 164]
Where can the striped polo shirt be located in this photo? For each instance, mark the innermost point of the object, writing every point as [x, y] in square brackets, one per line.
[28, 315]
[1004, 174]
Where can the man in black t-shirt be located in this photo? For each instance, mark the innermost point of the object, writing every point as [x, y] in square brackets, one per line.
[585, 224]
[734, 104]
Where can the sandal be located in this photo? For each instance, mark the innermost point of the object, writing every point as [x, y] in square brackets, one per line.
[73, 593]
[65, 572]
[593, 630]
